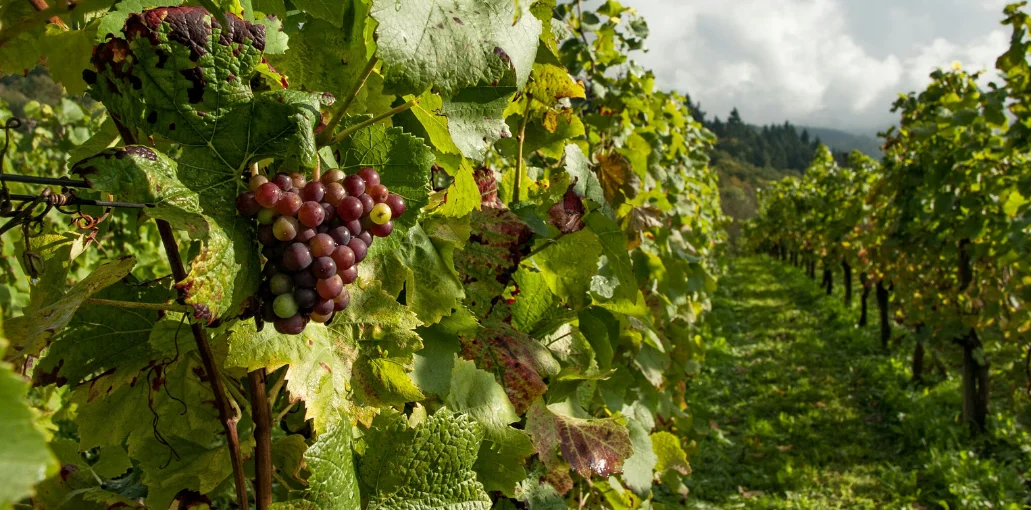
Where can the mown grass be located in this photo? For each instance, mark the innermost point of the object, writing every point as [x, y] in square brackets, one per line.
[797, 408]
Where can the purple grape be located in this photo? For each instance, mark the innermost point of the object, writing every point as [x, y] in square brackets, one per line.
[334, 193]
[355, 227]
[344, 257]
[305, 279]
[293, 326]
[367, 204]
[349, 275]
[359, 248]
[323, 307]
[341, 301]
[379, 193]
[247, 205]
[354, 185]
[383, 230]
[330, 287]
[311, 214]
[283, 181]
[341, 235]
[266, 236]
[324, 267]
[297, 257]
[350, 209]
[397, 206]
[313, 191]
[306, 235]
[370, 175]
[306, 298]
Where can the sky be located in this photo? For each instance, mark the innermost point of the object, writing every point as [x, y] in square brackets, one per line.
[827, 63]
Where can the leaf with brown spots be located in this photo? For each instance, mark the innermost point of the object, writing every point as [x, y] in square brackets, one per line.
[589, 445]
[518, 362]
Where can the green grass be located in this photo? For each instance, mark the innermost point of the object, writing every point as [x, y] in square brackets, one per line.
[797, 408]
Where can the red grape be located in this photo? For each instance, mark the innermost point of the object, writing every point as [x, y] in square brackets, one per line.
[350, 209]
[293, 326]
[383, 230]
[334, 175]
[268, 194]
[340, 234]
[306, 298]
[283, 181]
[371, 176]
[367, 238]
[306, 234]
[330, 287]
[354, 185]
[397, 205]
[266, 236]
[355, 227]
[341, 301]
[330, 213]
[313, 192]
[311, 214]
[367, 204]
[289, 203]
[334, 193]
[322, 245]
[379, 193]
[305, 279]
[324, 307]
[349, 275]
[298, 180]
[344, 257]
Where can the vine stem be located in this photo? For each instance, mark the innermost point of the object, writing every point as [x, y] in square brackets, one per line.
[520, 162]
[316, 175]
[161, 307]
[381, 117]
[227, 418]
[338, 113]
[261, 414]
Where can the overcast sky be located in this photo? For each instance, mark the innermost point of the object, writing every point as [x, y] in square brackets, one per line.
[828, 63]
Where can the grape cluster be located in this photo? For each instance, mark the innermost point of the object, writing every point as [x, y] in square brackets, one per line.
[313, 235]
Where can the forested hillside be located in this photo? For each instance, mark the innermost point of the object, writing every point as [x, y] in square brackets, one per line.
[747, 156]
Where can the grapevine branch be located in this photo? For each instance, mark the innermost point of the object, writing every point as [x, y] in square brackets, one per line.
[338, 115]
[161, 307]
[204, 349]
[260, 413]
[520, 160]
[379, 118]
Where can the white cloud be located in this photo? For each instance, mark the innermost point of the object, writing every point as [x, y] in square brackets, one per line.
[833, 63]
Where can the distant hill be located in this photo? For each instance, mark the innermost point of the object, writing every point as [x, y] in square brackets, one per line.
[841, 141]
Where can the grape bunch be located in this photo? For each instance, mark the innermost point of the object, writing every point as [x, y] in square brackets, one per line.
[313, 235]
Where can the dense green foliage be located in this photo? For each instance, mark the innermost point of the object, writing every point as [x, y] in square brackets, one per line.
[523, 338]
[798, 409]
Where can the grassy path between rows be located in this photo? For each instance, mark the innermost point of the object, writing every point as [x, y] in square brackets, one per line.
[797, 408]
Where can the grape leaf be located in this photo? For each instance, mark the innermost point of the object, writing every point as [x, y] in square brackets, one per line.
[476, 119]
[616, 268]
[462, 196]
[333, 483]
[102, 338]
[27, 460]
[533, 301]
[491, 255]
[539, 494]
[453, 44]
[409, 258]
[569, 264]
[198, 467]
[669, 454]
[428, 466]
[499, 464]
[329, 10]
[598, 446]
[637, 470]
[426, 121]
[326, 58]
[43, 317]
[144, 175]
[434, 363]
[288, 455]
[518, 362]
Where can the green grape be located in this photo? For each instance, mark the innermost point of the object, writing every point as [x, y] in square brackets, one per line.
[285, 306]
